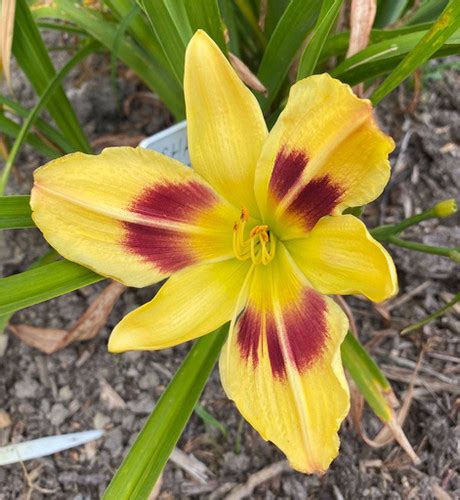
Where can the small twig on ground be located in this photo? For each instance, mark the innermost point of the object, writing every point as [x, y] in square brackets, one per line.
[191, 465]
[265, 474]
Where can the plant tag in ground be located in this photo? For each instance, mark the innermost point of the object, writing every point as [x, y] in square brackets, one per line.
[171, 142]
[19, 452]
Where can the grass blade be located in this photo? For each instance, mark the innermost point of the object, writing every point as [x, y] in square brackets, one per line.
[32, 56]
[147, 457]
[142, 33]
[389, 11]
[170, 23]
[147, 68]
[383, 56]
[43, 283]
[275, 10]
[205, 15]
[12, 129]
[429, 11]
[432, 316]
[52, 134]
[367, 376]
[227, 9]
[375, 388]
[15, 212]
[46, 95]
[445, 27]
[210, 420]
[292, 29]
[328, 14]
[49, 257]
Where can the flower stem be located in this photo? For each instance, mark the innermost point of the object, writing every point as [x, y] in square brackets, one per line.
[452, 253]
[442, 209]
[382, 233]
[432, 316]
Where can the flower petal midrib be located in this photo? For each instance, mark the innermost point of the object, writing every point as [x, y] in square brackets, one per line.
[321, 158]
[125, 215]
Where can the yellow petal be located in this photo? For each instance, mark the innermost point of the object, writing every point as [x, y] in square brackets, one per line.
[281, 365]
[225, 125]
[131, 214]
[339, 256]
[192, 303]
[324, 153]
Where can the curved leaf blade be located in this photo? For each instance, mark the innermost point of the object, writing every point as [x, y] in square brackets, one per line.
[442, 30]
[147, 457]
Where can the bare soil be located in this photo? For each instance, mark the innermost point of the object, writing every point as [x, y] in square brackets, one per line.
[67, 391]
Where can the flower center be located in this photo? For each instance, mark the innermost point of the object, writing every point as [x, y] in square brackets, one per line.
[260, 246]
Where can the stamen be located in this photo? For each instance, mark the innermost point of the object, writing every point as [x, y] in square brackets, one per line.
[259, 247]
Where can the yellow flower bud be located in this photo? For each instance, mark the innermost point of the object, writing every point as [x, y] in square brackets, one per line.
[445, 208]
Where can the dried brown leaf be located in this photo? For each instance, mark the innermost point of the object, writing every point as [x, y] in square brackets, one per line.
[262, 13]
[50, 340]
[107, 140]
[6, 37]
[246, 75]
[393, 429]
[362, 17]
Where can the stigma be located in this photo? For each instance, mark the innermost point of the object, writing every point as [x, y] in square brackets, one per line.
[259, 246]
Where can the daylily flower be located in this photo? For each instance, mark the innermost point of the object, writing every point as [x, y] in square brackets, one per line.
[253, 234]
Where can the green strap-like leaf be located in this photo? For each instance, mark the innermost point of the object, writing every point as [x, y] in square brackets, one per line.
[147, 68]
[429, 11]
[140, 30]
[146, 459]
[329, 12]
[367, 376]
[297, 21]
[205, 15]
[50, 133]
[442, 30]
[44, 98]
[227, 9]
[43, 283]
[170, 23]
[15, 212]
[49, 257]
[11, 129]
[389, 11]
[32, 55]
[275, 10]
[382, 57]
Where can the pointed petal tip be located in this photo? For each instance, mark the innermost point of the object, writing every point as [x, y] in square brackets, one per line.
[115, 344]
[199, 40]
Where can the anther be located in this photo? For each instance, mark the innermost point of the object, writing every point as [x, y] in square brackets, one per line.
[260, 245]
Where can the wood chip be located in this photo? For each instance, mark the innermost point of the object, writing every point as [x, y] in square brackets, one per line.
[110, 396]
[190, 464]
[265, 474]
[5, 420]
[49, 340]
[439, 493]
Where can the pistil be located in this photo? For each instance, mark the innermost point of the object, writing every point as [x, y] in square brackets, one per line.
[259, 247]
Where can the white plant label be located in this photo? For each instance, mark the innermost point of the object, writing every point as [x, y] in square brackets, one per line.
[171, 142]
